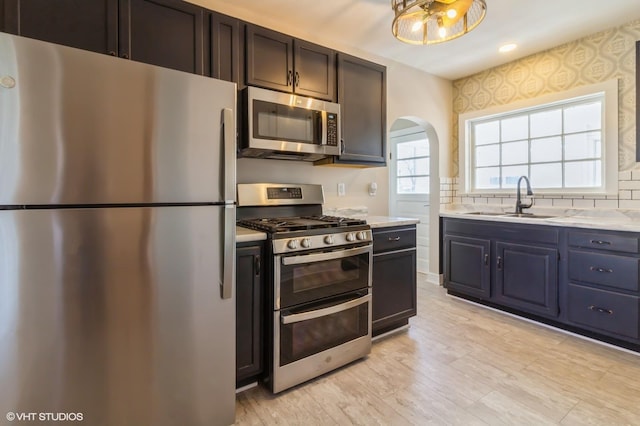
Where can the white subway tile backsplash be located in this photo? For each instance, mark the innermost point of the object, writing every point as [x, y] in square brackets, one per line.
[629, 204]
[624, 175]
[559, 202]
[635, 175]
[543, 202]
[584, 204]
[607, 204]
[629, 184]
[624, 195]
[635, 195]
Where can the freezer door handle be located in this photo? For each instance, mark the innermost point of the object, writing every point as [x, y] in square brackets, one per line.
[229, 166]
[228, 255]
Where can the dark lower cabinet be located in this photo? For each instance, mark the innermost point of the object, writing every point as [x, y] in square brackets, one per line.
[467, 267]
[583, 281]
[527, 278]
[249, 313]
[168, 33]
[394, 277]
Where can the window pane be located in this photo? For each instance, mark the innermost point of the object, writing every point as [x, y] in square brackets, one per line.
[414, 166]
[488, 155]
[515, 152]
[413, 185]
[485, 133]
[417, 148]
[510, 175]
[546, 123]
[580, 118]
[488, 178]
[546, 175]
[515, 128]
[582, 145]
[547, 149]
[583, 174]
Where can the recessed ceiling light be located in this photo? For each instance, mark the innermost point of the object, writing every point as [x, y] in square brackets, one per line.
[507, 47]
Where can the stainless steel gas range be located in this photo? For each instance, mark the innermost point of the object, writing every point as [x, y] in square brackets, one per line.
[319, 286]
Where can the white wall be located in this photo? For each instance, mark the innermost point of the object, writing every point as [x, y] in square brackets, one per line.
[410, 92]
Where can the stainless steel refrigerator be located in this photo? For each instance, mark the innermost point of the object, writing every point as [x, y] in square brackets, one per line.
[117, 239]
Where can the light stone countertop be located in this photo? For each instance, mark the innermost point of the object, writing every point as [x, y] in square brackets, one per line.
[388, 221]
[245, 235]
[604, 219]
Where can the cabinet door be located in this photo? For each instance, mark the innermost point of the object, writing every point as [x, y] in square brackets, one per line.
[269, 59]
[225, 48]
[394, 289]
[89, 25]
[467, 266]
[315, 71]
[248, 313]
[168, 33]
[362, 95]
[527, 278]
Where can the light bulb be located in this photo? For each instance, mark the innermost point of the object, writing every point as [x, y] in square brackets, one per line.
[417, 26]
[442, 32]
[451, 13]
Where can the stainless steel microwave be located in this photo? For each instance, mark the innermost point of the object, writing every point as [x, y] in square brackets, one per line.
[285, 126]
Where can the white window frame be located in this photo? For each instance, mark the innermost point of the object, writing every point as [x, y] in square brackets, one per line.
[609, 137]
[407, 135]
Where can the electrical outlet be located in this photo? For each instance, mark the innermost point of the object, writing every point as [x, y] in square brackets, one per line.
[342, 191]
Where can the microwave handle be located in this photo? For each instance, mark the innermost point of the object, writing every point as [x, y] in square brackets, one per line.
[321, 127]
[304, 316]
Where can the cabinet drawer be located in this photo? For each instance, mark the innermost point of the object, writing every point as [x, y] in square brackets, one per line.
[610, 270]
[599, 241]
[604, 311]
[394, 239]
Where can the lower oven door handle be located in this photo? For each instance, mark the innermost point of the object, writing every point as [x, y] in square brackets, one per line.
[289, 319]
[319, 257]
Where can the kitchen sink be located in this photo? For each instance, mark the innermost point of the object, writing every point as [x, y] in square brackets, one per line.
[528, 215]
[488, 213]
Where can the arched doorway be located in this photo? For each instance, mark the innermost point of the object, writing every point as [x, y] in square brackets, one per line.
[414, 185]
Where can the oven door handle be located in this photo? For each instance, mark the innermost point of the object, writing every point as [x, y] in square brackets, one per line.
[319, 257]
[304, 316]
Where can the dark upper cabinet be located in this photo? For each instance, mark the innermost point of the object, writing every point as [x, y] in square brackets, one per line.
[362, 95]
[279, 62]
[90, 25]
[168, 33]
[225, 48]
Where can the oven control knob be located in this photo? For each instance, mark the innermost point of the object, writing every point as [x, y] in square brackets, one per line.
[306, 243]
[361, 235]
[292, 244]
[328, 239]
[351, 237]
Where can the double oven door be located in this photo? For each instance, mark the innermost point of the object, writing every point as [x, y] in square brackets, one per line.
[322, 313]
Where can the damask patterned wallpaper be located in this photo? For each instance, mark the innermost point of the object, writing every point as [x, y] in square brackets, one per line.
[603, 56]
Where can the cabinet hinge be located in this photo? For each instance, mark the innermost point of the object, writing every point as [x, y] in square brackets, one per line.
[257, 265]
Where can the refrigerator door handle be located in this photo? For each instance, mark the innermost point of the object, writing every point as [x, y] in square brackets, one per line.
[229, 165]
[229, 210]
[229, 255]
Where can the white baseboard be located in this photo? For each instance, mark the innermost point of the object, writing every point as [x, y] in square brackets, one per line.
[433, 278]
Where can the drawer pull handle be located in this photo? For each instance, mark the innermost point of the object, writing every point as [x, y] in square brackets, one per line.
[601, 310]
[499, 263]
[486, 260]
[596, 269]
[601, 243]
[394, 239]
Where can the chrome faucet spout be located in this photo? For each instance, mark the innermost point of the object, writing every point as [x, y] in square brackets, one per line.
[519, 204]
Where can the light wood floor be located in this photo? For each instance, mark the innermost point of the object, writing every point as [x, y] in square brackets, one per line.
[462, 364]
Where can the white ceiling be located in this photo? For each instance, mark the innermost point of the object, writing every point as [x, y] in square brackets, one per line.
[535, 25]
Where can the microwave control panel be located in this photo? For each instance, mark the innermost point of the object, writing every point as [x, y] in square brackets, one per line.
[332, 129]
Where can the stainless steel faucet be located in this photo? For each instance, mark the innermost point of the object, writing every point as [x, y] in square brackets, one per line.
[519, 205]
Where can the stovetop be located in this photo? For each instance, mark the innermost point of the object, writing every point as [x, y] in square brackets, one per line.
[290, 224]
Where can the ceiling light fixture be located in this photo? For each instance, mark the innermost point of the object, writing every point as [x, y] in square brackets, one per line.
[435, 21]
